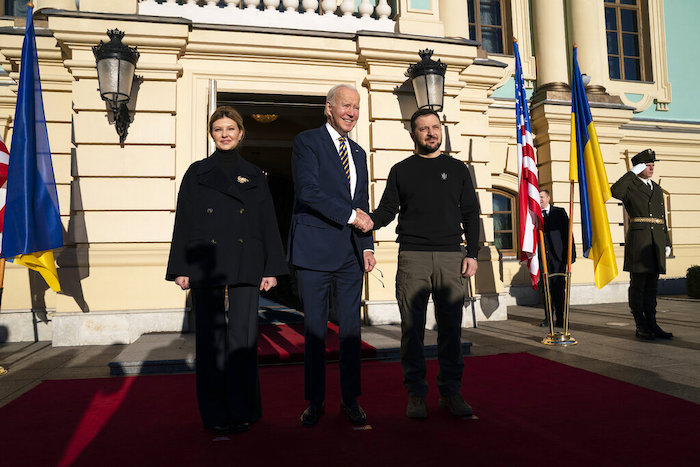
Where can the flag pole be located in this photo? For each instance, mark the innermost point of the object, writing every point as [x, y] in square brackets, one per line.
[569, 248]
[545, 282]
[2, 278]
[3, 371]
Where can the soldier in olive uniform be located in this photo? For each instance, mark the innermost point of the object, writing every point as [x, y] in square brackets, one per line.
[647, 243]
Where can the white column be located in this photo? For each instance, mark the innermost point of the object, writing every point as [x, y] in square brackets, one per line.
[549, 31]
[588, 33]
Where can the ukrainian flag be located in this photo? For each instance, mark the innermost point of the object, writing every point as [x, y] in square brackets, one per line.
[586, 166]
[32, 227]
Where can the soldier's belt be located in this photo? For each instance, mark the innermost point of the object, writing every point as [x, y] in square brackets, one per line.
[647, 220]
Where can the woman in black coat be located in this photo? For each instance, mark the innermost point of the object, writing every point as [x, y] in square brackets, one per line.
[226, 248]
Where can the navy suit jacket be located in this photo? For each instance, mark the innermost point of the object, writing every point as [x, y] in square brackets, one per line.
[319, 233]
[556, 231]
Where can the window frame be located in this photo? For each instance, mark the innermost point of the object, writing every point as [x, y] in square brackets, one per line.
[511, 252]
[506, 25]
[657, 91]
[641, 8]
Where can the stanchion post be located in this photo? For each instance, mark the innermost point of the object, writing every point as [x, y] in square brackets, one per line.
[545, 282]
[563, 338]
[2, 282]
[569, 254]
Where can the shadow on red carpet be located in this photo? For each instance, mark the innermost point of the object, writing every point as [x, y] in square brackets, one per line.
[531, 411]
[284, 343]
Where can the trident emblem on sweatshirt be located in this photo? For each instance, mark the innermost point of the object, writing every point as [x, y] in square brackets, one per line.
[444, 176]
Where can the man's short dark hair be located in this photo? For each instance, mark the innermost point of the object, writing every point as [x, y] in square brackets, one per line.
[545, 191]
[420, 113]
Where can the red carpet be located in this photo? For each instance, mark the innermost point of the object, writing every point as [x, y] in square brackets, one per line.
[284, 343]
[531, 412]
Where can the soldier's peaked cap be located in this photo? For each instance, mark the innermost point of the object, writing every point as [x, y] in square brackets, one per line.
[644, 157]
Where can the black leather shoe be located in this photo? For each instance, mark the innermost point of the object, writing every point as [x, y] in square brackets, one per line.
[660, 333]
[219, 429]
[312, 415]
[642, 331]
[354, 413]
[644, 334]
[241, 427]
[544, 324]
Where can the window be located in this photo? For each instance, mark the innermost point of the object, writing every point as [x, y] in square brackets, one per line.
[489, 24]
[14, 7]
[624, 29]
[504, 222]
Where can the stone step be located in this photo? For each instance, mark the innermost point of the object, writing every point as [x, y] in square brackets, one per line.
[175, 352]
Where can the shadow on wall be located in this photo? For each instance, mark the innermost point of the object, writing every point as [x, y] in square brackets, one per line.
[72, 261]
[407, 102]
[521, 288]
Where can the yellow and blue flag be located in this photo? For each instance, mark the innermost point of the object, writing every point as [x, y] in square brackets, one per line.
[586, 166]
[32, 225]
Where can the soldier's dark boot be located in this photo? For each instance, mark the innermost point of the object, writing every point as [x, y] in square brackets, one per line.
[655, 328]
[643, 331]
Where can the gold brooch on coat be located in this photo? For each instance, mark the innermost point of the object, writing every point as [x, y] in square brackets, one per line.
[241, 179]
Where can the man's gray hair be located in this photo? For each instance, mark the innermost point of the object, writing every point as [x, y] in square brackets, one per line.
[330, 97]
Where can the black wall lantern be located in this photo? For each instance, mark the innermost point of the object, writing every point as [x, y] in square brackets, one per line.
[116, 63]
[428, 78]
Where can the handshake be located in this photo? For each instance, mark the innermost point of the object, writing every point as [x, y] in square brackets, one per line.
[362, 221]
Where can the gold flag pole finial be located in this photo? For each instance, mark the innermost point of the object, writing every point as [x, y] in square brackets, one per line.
[30, 4]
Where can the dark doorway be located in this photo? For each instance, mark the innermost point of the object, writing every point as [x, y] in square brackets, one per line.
[271, 123]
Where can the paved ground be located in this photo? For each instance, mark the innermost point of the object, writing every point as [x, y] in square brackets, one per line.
[605, 335]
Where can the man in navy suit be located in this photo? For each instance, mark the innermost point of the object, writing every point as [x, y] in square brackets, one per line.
[556, 241]
[329, 250]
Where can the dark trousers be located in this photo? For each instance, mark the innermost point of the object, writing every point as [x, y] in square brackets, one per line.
[642, 292]
[419, 274]
[556, 291]
[228, 388]
[316, 289]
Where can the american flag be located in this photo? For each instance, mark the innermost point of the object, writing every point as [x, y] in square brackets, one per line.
[529, 209]
[4, 161]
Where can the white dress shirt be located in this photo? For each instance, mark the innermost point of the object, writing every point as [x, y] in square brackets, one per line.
[351, 163]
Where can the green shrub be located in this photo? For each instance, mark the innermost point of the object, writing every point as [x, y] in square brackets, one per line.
[692, 281]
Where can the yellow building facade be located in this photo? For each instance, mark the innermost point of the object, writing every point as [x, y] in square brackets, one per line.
[280, 58]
